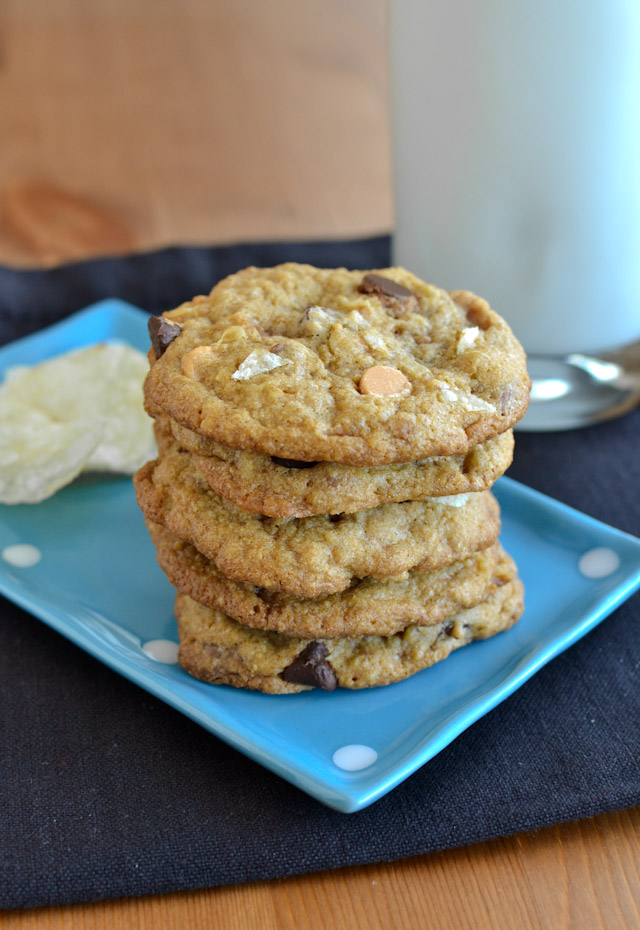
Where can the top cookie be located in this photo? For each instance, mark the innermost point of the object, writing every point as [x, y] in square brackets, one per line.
[359, 368]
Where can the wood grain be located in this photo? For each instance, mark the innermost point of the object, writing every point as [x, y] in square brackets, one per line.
[55, 225]
[194, 122]
[578, 876]
[130, 125]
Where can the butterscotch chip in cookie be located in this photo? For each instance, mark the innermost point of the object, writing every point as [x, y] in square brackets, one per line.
[315, 555]
[367, 607]
[278, 487]
[308, 405]
[383, 381]
[215, 648]
[194, 358]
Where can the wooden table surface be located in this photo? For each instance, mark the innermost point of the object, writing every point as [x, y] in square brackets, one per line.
[128, 124]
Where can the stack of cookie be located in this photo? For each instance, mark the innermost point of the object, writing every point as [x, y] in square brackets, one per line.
[327, 440]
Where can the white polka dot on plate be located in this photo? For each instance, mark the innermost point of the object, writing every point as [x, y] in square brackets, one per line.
[22, 555]
[598, 563]
[162, 650]
[354, 758]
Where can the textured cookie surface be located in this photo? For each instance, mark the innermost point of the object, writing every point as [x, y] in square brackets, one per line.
[316, 365]
[367, 607]
[279, 488]
[315, 555]
[215, 648]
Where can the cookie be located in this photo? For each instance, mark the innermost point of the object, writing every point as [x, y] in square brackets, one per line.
[280, 488]
[215, 648]
[339, 366]
[315, 555]
[367, 607]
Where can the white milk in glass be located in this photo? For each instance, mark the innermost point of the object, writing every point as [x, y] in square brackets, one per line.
[517, 160]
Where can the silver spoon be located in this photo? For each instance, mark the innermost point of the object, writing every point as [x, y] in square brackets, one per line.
[579, 390]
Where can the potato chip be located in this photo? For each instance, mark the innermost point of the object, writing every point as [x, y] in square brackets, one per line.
[79, 412]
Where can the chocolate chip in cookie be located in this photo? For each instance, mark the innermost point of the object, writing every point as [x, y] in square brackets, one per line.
[384, 287]
[311, 668]
[162, 333]
[291, 463]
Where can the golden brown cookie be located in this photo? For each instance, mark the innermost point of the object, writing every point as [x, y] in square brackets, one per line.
[315, 555]
[215, 648]
[281, 488]
[339, 366]
[367, 607]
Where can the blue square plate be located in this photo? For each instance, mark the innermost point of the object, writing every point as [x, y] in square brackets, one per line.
[98, 584]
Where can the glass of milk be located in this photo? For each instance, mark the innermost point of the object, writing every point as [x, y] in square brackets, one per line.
[516, 134]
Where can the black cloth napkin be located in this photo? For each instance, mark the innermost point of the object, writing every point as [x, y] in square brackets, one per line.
[107, 792]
